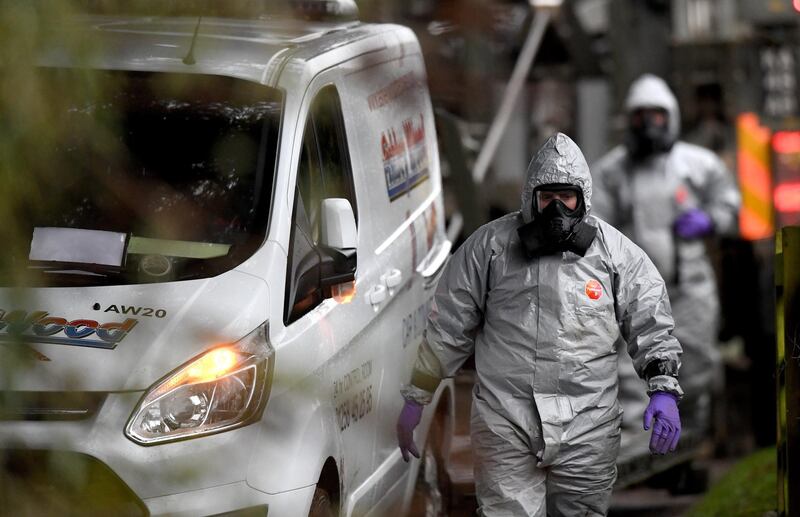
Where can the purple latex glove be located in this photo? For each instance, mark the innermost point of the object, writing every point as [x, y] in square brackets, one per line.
[693, 224]
[667, 429]
[406, 423]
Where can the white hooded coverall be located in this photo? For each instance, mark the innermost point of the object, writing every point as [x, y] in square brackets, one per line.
[544, 331]
[643, 199]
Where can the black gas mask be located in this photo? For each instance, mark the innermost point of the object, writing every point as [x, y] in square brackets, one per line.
[648, 133]
[557, 228]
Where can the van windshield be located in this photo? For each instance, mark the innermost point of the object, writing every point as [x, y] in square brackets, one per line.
[178, 166]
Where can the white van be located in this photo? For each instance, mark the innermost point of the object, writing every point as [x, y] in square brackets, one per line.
[229, 286]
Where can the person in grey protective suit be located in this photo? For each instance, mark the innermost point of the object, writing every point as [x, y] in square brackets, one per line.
[668, 196]
[543, 297]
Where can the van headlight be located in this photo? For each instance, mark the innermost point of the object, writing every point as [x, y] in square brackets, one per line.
[224, 388]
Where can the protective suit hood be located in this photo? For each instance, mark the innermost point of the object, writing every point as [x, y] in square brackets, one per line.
[559, 160]
[650, 91]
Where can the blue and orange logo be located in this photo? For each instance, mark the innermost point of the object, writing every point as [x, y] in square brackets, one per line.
[40, 327]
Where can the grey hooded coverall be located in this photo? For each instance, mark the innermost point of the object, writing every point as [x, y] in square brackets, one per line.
[544, 331]
[643, 199]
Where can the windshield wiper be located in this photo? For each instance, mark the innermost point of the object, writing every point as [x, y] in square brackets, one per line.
[73, 268]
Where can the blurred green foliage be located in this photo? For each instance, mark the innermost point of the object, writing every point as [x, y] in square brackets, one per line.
[30, 127]
[749, 489]
[31, 115]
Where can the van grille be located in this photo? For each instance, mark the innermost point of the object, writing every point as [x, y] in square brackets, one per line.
[50, 405]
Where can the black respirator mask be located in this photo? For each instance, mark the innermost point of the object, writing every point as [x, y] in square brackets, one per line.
[648, 134]
[557, 229]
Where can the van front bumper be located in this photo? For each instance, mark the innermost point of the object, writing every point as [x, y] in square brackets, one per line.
[235, 500]
[29, 487]
[57, 468]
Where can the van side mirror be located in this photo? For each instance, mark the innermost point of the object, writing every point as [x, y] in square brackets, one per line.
[338, 229]
[338, 242]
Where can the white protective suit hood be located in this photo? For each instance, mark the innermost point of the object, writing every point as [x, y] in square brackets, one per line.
[558, 160]
[650, 91]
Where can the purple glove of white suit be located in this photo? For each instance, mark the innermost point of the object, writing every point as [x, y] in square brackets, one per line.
[667, 429]
[693, 224]
[406, 423]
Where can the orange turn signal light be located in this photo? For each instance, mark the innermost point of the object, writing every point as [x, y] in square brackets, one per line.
[344, 293]
[212, 365]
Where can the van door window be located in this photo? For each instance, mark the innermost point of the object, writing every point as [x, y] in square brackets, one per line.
[323, 172]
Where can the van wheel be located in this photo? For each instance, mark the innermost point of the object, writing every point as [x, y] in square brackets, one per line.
[321, 504]
[432, 491]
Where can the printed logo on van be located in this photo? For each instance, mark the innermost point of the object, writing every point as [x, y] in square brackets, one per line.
[593, 289]
[40, 327]
[389, 93]
[405, 157]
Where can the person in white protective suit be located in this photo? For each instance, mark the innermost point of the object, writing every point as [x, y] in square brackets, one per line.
[542, 297]
[667, 196]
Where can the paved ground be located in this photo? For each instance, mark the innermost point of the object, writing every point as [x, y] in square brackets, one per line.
[635, 501]
[625, 503]
[643, 500]
[651, 502]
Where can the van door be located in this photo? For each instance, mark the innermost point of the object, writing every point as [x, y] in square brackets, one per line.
[393, 125]
[339, 332]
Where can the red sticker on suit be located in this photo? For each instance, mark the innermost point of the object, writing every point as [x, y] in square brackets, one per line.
[594, 289]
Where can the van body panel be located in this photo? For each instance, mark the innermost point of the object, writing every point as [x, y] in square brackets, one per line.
[374, 70]
[242, 49]
[218, 500]
[164, 325]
